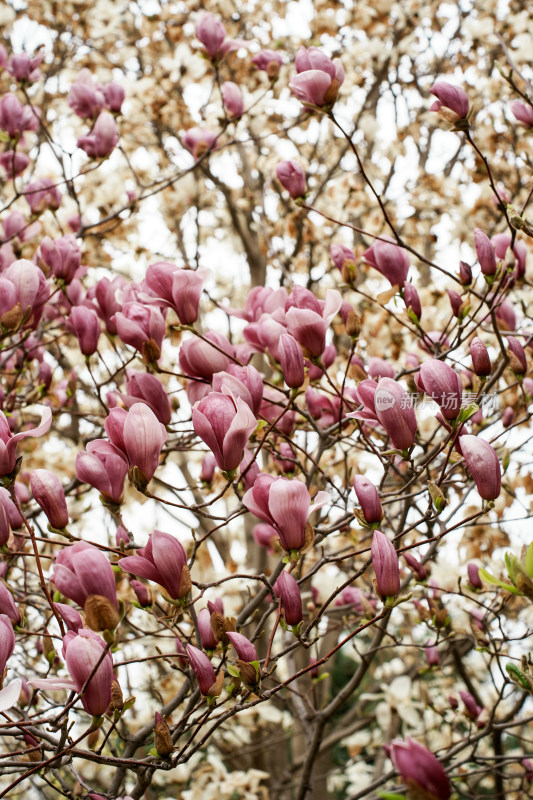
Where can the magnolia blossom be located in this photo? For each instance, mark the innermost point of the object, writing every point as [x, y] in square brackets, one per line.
[420, 769]
[140, 436]
[452, 97]
[163, 561]
[319, 78]
[483, 464]
[225, 424]
[286, 505]
[8, 441]
[103, 138]
[389, 259]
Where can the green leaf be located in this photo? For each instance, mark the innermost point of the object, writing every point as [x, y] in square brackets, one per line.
[466, 412]
[391, 796]
[129, 703]
[485, 576]
[233, 671]
[528, 561]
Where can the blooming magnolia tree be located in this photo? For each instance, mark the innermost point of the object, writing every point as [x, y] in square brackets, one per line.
[265, 438]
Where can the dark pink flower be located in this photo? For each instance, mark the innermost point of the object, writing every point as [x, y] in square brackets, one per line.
[523, 113]
[24, 68]
[368, 499]
[104, 467]
[386, 566]
[147, 388]
[83, 651]
[139, 434]
[286, 505]
[41, 194]
[82, 570]
[179, 288]
[420, 769]
[485, 252]
[114, 96]
[288, 590]
[225, 425]
[443, 385]
[483, 464]
[244, 382]
[268, 61]
[199, 359]
[163, 561]
[451, 97]
[142, 327]
[202, 668]
[48, 492]
[7, 641]
[199, 140]
[244, 647]
[8, 441]
[83, 322]
[13, 163]
[102, 139]
[291, 175]
[85, 98]
[389, 259]
[232, 99]
[62, 256]
[395, 412]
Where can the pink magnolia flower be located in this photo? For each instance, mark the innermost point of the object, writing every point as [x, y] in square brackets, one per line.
[342, 255]
[13, 163]
[389, 259]
[15, 118]
[245, 649]
[291, 175]
[286, 505]
[107, 295]
[319, 78]
[288, 591]
[523, 113]
[147, 388]
[163, 561]
[443, 385]
[368, 499]
[517, 355]
[212, 34]
[82, 570]
[265, 535]
[268, 61]
[379, 368]
[85, 97]
[62, 256]
[412, 300]
[142, 327]
[7, 605]
[31, 288]
[260, 300]
[452, 97]
[83, 651]
[326, 409]
[207, 637]
[103, 138]
[485, 252]
[7, 641]
[84, 324]
[232, 99]
[386, 566]
[483, 464]
[420, 769]
[501, 243]
[140, 435]
[199, 359]
[104, 467]
[24, 68]
[48, 492]
[245, 382]
[199, 140]
[41, 194]
[291, 360]
[203, 670]
[395, 412]
[8, 441]
[309, 326]
[114, 96]
[225, 425]
[72, 618]
[178, 288]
